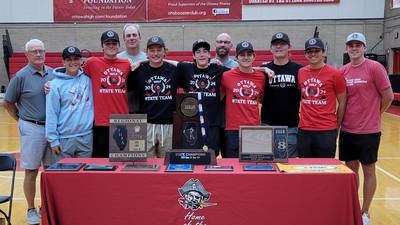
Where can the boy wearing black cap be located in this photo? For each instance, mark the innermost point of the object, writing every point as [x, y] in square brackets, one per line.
[244, 90]
[281, 102]
[321, 85]
[108, 74]
[203, 77]
[154, 83]
[69, 109]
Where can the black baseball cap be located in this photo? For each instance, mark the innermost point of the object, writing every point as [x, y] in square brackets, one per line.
[280, 36]
[201, 44]
[314, 43]
[155, 40]
[70, 51]
[109, 36]
[242, 46]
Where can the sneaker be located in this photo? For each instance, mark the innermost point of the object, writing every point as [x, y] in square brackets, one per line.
[33, 216]
[365, 218]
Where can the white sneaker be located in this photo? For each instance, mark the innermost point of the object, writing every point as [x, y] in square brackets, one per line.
[33, 217]
[365, 218]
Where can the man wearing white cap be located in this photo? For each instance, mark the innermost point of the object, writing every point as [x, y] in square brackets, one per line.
[369, 94]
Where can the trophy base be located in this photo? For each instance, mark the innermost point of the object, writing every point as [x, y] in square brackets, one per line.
[190, 156]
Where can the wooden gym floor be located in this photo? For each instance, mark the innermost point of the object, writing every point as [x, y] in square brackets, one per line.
[385, 209]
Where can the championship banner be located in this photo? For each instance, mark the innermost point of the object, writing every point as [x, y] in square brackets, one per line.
[99, 10]
[198, 10]
[288, 2]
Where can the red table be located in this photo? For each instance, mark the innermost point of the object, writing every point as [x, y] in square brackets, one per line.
[236, 198]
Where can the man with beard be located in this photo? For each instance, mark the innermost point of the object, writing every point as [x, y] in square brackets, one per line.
[223, 45]
[154, 84]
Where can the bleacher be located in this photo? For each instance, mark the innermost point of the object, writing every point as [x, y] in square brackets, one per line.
[53, 59]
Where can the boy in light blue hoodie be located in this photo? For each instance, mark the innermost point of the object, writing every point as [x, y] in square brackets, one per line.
[69, 109]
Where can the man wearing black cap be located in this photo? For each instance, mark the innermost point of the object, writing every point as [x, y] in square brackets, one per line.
[108, 74]
[282, 96]
[205, 78]
[244, 90]
[69, 109]
[154, 84]
[321, 85]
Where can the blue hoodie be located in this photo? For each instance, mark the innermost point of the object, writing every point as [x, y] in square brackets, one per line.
[69, 106]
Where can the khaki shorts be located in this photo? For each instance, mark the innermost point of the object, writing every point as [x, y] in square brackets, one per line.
[159, 139]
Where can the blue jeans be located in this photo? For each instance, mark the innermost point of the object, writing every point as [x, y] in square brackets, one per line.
[232, 144]
[292, 142]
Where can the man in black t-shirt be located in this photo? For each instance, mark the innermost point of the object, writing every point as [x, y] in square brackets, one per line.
[154, 84]
[205, 78]
[281, 102]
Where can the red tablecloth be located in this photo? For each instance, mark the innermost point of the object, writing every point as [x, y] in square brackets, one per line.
[236, 198]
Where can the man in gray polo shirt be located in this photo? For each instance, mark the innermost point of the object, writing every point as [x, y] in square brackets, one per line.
[25, 101]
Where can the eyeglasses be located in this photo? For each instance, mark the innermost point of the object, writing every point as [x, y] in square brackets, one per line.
[36, 51]
[223, 42]
[315, 51]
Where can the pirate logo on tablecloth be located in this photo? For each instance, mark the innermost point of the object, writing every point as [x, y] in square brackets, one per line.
[120, 136]
[194, 196]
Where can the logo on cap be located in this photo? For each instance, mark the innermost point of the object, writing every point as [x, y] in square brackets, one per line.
[71, 49]
[279, 35]
[355, 35]
[312, 41]
[245, 44]
[154, 39]
[110, 34]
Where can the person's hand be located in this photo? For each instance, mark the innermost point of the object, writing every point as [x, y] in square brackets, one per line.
[56, 149]
[218, 62]
[47, 87]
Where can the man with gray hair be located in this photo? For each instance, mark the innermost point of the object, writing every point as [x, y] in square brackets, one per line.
[132, 37]
[25, 101]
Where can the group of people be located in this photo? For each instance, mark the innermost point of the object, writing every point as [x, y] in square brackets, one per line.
[315, 101]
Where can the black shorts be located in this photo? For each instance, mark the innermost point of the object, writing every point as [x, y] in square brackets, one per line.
[316, 144]
[362, 147]
[100, 141]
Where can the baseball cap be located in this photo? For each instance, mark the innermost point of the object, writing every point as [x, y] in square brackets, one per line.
[356, 37]
[71, 50]
[155, 40]
[200, 44]
[109, 36]
[244, 45]
[314, 43]
[280, 36]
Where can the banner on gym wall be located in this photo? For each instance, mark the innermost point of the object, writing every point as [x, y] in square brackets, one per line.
[288, 2]
[194, 10]
[99, 10]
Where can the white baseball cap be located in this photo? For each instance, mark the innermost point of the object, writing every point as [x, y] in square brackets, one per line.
[356, 37]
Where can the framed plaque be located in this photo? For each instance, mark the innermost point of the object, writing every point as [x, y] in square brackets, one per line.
[128, 138]
[263, 144]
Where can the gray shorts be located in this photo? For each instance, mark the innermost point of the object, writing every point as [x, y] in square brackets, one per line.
[34, 147]
[159, 139]
[75, 147]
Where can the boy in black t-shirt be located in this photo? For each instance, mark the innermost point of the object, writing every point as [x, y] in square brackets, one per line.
[205, 78]
[154, 84]
[281, 102]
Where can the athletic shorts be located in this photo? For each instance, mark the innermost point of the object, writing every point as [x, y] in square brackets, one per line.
[362, 147]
